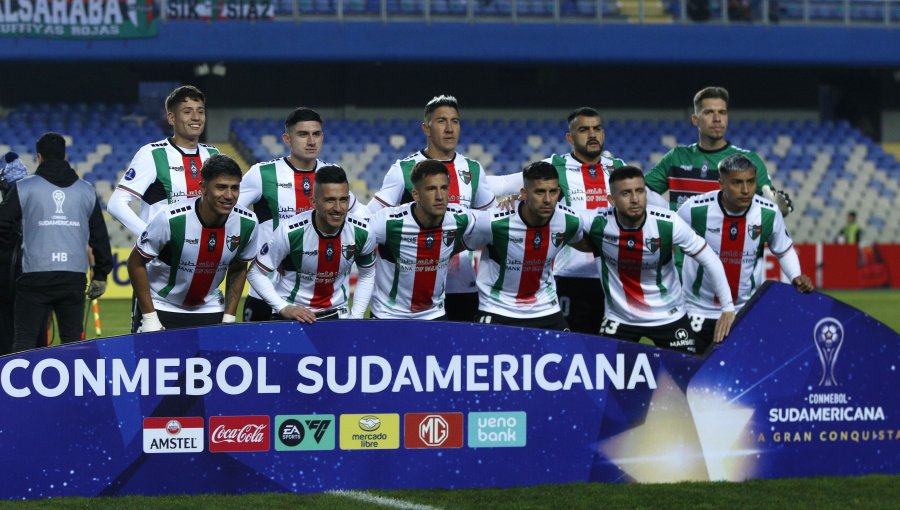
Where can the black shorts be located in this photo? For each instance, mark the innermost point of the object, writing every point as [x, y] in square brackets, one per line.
[181, 320]
[441, 318]
[323, 315]
[581, 300]
[705, 329]
[256, 310]
[677, 335]
[554, 321]
[461, 307]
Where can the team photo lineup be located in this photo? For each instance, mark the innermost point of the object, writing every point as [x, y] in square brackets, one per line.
[579, 242]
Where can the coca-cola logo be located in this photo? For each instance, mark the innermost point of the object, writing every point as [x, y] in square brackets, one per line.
[239, 433]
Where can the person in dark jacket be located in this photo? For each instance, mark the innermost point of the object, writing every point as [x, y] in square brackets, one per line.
[59, 216]
[11, 171]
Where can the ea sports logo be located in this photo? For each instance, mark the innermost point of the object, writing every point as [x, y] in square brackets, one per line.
[291, 433]
[173, 427]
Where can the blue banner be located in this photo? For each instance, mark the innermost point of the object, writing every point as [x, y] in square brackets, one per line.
[804, 386]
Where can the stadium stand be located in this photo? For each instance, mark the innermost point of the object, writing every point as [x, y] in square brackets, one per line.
[829, 168]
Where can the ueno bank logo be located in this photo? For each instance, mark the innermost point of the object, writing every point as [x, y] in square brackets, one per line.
[433, 430]
[497, 429]
[239, 433]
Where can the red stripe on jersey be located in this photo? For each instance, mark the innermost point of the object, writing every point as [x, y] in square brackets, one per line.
[453, 192]
[212, 240]
[631, 254]
[192, 178]
[594, 185]
[428, 255]
[537, 242]
[732, 250]
[326, 271]
[303, 190]
[692, 185]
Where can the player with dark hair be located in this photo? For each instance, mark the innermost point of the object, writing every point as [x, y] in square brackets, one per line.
[466, 187]
[737, 225]
[515, 284]
[58, 216]
[416, 242]
[583, 175]
[180, 260]
[282, 188]
[633, 244]
[314, 251]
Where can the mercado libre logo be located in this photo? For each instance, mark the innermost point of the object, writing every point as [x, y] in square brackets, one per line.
[370, 431]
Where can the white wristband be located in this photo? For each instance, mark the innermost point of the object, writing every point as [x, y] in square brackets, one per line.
[150, 322]
[228, 318]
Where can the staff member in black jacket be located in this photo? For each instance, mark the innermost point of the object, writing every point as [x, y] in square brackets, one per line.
[59, 217]
[13, 171]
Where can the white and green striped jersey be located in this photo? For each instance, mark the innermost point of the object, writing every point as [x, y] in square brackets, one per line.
[637, 268]
[514, 277]
[739, 241]
[316, 267]
[162, 173]
[468, 188]
[411, 269]
[188, 260]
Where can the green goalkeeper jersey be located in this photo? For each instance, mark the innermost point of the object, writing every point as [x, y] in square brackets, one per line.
[686, 171]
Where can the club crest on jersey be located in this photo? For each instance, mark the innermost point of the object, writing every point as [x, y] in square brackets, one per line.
[307, 186]
[429, 240]
[592, 171]
[329, 252]
[211, 244]
[449, 237]
[349, 251]
[652, 244]
[194, 169]
[754, 231]
[630, 243]
[733, 232]
[465, 175]
[704, 170]
[536, 243]
[558, 238]
[233, 242]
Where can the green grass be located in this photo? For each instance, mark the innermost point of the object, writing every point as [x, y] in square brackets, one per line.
[869, 492]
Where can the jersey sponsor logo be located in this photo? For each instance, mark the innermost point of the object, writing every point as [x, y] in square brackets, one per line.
[465, 175]
[212, 241]
[433, 430]
[449, 237]
[370, 431]
[286, 185]
[681, 334]
[733, 231]
[304, 432]
[714, 230]
[192, 241]
[176, 169]
[538, 240]
[130, 174]
[173, 435]
[329, 251]
[307, 186]
[239, 434]
[349, 251]
[558, 238]
[264, 249]
[232, 242]
[497, 429]
[194, 169]
[754, 231]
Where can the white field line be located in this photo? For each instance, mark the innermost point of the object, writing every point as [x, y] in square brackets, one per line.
[380, 500]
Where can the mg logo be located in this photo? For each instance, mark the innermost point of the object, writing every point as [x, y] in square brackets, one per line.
[434, 430]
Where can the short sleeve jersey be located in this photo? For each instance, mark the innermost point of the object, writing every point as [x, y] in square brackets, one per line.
[411, 269]
[188, 260]
[316, 267]
[276, 190]
[584, 187]
[688, 170]
[514, 277]
[739, 241]
[162, 173]
[468, 188]
[637, 267]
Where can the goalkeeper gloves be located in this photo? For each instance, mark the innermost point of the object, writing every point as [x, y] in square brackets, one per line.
[785, 205]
